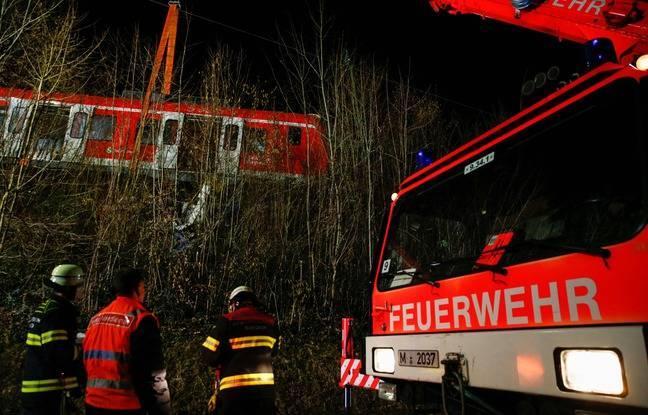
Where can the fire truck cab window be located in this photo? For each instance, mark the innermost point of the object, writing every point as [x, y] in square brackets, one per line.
[170, 133]
[79, 123]
[294, 136]
[102, 127]
[254, 140]
[17, 120]
[573, 180]
[230, 139]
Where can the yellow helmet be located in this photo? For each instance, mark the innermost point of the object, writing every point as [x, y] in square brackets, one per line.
[65, 275]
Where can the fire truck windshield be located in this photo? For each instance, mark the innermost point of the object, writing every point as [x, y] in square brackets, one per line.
[574, 179]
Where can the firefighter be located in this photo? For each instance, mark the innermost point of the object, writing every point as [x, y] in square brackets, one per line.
[122, 352]
[241, 347]
[52, 368]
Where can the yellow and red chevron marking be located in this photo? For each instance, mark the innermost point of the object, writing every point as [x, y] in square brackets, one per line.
[350, 375]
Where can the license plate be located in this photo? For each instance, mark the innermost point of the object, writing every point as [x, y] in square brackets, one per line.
[418, 358]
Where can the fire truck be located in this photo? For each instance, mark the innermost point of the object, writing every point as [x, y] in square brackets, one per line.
[512, 273]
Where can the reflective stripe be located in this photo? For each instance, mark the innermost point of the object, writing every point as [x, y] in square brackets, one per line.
[47, 385]
[33, 339]
[211, 344]
[108, 383]
[252, 341]
[53, 333]
[105, 355]
[47, 337]
[250, 379]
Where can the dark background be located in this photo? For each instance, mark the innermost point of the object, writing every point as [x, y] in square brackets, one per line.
[471, 63]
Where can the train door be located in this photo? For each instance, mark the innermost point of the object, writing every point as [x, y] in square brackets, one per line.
[49, 130]
[150, 137]
[13, 141]
[4, 114]
[76, 132]
[229, 150]
[167, 154]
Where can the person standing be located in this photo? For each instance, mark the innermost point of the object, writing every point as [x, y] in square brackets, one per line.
[52, 367]
[122, 353]
[241, 347]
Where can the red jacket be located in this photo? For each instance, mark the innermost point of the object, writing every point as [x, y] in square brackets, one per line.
[106, 354]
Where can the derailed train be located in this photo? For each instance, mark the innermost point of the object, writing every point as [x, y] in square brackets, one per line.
[73, 128]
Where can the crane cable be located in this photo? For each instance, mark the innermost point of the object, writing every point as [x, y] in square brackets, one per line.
[301, 53]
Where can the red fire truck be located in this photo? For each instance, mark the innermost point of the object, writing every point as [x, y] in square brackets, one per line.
[70, 128]
[512, 275]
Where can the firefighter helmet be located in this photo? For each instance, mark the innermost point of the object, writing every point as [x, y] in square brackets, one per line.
[239, 290]
[65, 275]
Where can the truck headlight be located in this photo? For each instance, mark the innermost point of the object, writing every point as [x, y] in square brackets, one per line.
[592, 371]
[384, 360]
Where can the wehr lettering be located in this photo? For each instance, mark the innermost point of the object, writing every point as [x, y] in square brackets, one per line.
[507, 307]
[587, 6]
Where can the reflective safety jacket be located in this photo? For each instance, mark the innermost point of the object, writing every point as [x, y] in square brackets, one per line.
[242, 345]
[50, 366]
[107, 355]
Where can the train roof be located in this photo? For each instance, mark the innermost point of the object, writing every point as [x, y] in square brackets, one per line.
[166, 106]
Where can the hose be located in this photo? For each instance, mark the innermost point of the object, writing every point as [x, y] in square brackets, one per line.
[464, 393]
[460, 389]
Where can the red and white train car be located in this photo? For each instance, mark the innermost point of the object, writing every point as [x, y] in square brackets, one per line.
[72, 128]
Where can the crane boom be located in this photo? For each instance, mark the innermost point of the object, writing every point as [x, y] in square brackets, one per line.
[623, 22]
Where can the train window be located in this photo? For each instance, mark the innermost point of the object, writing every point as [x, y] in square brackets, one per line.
[17, 121]
[3, 117]
[170, 132]
[294, 135]
[230, 138]
[79, 123]
[50, 122]
[102, 127]
[254, 140]
[150, 131]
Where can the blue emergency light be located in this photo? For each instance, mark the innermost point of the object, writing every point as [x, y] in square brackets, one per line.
[599, 51]
[423, 159]
[521, 4]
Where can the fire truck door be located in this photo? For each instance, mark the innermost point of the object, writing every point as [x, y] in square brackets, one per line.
[14, 138]
[229, 150]
[76, 133]
[168, 140]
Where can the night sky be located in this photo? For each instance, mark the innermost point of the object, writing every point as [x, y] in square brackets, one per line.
[468, 61]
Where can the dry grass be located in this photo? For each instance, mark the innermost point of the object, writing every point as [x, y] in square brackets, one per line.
[305, 245]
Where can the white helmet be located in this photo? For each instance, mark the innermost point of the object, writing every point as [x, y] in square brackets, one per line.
[238, 290]
[65, 275]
